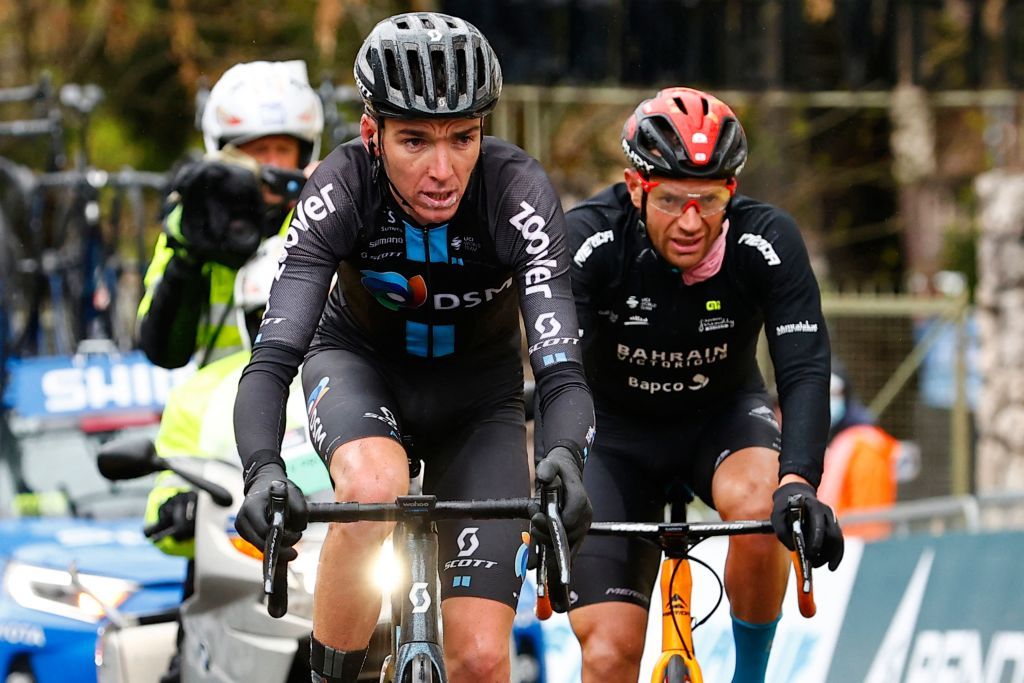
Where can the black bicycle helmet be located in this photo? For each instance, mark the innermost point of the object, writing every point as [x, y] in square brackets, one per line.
[427, 65]
[685, 133]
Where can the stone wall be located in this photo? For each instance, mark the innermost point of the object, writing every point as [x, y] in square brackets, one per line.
[1000, 300]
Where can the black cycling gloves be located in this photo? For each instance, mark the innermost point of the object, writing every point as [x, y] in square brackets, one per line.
[252, 522]
[176, 518]
[820, 527]
[561, 469]
[222, 213]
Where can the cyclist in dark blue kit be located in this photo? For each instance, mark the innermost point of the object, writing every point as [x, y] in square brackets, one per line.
[439, 237]
[674, 276]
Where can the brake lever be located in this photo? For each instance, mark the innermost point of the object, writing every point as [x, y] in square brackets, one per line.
[802, 565]
[559, 538]
[274, 576]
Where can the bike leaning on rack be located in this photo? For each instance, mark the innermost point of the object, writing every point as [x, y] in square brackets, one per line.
[415, 652]
[678, 660]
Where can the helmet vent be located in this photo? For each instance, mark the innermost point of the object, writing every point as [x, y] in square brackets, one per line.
[427, 23]
[440, 74]
[391, 65]
[479, 68]
[415, 72]
[667, 133]
[679, 103]
[707, 107]
[460, 70]
[402, 24]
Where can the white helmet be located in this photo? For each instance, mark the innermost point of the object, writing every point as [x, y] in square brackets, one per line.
[252, 286]
[256, 99]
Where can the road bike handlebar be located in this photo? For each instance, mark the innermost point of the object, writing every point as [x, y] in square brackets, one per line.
[422, 507]
[678, 537]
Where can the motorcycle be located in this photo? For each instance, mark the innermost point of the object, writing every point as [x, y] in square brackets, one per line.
[227, 634]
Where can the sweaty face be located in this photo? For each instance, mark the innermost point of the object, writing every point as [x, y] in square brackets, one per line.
[675, 224]
[429, 162]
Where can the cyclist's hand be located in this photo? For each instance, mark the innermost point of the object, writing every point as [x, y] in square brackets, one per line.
[176, 518]
[561, 469]
[820, 526]
[253, 523]
[222, 212]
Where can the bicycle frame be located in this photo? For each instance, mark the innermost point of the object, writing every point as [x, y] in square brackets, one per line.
[678, 661]
[417, 648]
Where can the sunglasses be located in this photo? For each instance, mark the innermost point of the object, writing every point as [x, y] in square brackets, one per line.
[674, 203]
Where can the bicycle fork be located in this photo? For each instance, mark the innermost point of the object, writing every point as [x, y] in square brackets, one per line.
[676, 630]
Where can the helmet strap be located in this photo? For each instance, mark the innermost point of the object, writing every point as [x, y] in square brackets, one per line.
[382, 166]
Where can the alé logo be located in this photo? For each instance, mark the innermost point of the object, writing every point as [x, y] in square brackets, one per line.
[393, 291]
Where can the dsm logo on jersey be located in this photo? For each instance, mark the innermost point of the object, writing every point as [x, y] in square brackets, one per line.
[393, 291]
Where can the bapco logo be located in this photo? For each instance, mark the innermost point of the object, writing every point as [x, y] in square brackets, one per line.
[547, 325]
[468, 542]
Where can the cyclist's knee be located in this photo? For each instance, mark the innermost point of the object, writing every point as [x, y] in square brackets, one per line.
[370, 470]
[478, 661]
[611, 636]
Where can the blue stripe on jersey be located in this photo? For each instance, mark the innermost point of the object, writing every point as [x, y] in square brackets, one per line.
[416, 338]
[416, 247]
[441, 336]
[444, 340]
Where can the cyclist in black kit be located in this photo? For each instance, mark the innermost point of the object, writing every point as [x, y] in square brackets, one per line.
[439, 237]
[674, 276]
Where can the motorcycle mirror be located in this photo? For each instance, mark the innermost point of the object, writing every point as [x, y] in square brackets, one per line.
[128, 458]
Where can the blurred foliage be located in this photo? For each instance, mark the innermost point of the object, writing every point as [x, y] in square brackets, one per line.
[150, 57]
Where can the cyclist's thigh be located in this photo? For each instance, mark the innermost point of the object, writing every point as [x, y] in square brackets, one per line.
[484, 457]
[748, 421]
[622, 488]
[347, 399]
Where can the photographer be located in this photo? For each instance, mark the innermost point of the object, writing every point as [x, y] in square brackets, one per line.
[261, 118]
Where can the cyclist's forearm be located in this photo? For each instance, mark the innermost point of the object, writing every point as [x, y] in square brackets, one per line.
[167, 329]
[566, 408]
[804, 431]
[260, 405]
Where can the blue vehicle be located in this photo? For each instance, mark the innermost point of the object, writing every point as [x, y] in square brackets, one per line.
[71, 542]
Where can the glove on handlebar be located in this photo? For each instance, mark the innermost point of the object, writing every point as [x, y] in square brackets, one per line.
[820, 527]
[253, 520]
[561, 469]
[176, 518]
[222, 212]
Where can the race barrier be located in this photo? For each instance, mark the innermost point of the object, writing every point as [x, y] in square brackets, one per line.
[914, 609]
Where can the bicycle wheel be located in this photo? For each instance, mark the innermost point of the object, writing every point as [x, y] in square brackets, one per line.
[420, 670]
[676, 671]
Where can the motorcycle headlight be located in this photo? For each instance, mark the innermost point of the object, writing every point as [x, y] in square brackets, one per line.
[56, 592]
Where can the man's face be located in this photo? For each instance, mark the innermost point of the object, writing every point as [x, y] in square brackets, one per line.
[675, 225]
[281, 151]
[429, 162]
[274, 150]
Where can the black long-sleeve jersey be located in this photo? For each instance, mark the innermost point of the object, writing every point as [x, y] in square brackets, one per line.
[655, 346]
[447, 294]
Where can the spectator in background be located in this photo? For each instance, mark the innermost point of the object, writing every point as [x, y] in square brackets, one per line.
[259, 114]
[860, 462]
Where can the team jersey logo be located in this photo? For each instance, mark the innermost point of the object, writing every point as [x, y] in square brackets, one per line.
[393, 291]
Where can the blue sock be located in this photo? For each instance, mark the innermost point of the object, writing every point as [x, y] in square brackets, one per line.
[753, 644]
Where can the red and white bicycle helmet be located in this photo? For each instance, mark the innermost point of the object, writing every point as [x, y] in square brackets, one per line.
[256, 99]
[685, 133]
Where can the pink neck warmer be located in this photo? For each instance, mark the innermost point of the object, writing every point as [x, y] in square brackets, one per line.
[712, 261]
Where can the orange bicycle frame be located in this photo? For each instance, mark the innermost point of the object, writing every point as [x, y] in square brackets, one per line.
[676, 631]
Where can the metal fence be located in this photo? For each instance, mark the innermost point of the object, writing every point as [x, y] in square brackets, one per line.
[910, 362]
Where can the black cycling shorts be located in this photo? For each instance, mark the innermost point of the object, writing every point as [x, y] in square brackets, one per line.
[636, 467]
[468, 427]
